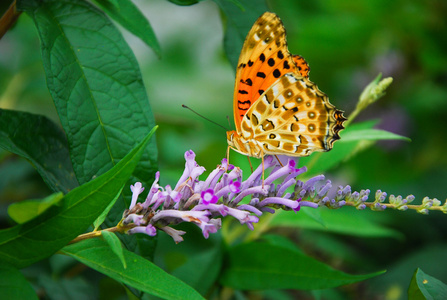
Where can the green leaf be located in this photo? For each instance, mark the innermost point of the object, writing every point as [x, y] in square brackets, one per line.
[181, 260]
[371, 135]
[34, 240]
[100, 219]
[115, 245]
[43, 143]
[66, 287]
[260, 266]
[240, 17]
[14, 285]
[344, 221]
[354, 138]
[140, 273]
[424, 286]
[24, 211]
[96, 86]
[184, 2]
[130, 17]
[98, 91]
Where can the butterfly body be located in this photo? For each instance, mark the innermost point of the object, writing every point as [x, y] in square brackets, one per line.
[277, 109]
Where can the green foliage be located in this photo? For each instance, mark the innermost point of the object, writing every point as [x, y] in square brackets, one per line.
[24, 211]
[14, 285]
[250, 268]
[32, 241]
[424, 286]
[42, 143]
[130, 17]
[89, 148]
[343, 221]
[140, 273]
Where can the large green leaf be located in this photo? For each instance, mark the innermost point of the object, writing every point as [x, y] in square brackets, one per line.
[181, 260]
[130, 17]
[353, 139]
[14, 285]
[424, 286]
[96, 85]
[43, 143]
[97, 88]
[260, 266]
[343, 221]
[140, 273]
[40, 237]
[26, 210]
[240, 17]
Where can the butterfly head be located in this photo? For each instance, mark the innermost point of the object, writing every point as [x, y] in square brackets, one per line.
[230, 137]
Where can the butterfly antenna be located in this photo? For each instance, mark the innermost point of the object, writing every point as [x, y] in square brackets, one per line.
[187, 107]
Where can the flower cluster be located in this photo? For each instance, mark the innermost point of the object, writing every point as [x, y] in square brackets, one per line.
[203, 203]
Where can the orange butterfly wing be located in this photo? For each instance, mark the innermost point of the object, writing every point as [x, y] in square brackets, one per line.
[264, 59]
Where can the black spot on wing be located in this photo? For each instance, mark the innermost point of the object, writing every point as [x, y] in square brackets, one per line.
[243, 105]
[280, 55]
[276, 73]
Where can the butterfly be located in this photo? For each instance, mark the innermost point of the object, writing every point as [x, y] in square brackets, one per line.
[277, 109]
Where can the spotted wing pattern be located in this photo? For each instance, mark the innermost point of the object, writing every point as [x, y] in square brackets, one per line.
[293, 118]
[264, 58]
[277, 109]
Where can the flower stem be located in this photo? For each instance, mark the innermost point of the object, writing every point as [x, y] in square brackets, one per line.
[97, 233]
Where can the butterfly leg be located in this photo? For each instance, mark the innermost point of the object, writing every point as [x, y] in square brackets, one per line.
[228, 156]
[277, 158]
[249, 161]
[263, 176]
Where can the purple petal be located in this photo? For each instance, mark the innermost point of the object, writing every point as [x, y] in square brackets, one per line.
[207, 228]
[250, 209]
[133, 218]
[309, 204]
[256, 175]
[187, 216]
[250, 191]
[280, 201]
[283, 171]
[175, 234]
[208, 197]
[285, 186]
[311, 182]
[154, 189]
[136, 189]
[149, 230]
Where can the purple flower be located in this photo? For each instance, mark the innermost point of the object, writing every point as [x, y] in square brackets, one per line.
[136, 189]
[208, 197]
[225, 194]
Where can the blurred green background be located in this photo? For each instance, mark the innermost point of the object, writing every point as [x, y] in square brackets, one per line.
[346, 43]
